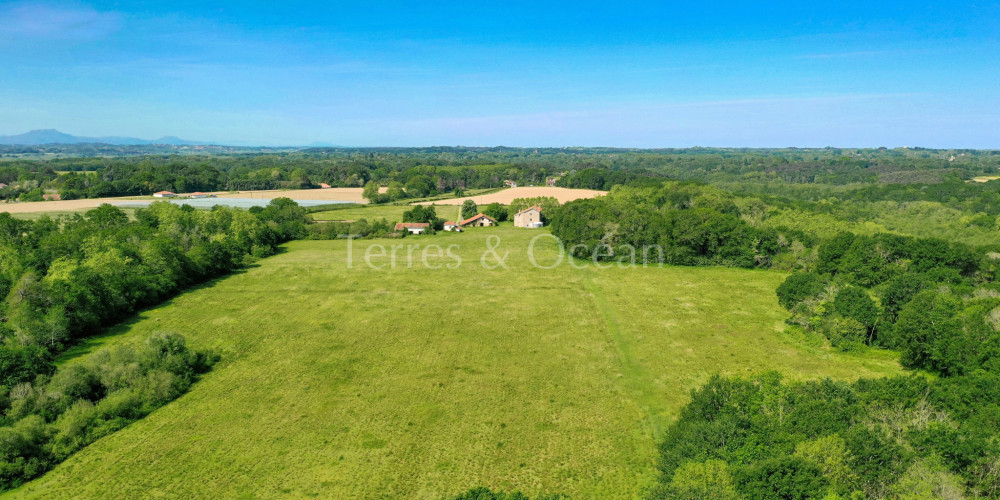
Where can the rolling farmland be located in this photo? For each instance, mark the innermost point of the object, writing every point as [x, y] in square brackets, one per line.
[421, 382]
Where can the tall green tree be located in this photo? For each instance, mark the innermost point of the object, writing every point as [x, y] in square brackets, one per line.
[469, 209]
[395, 191]
[497, 211]
[370, 192]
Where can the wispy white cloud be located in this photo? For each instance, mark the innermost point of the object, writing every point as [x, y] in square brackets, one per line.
[33, 20]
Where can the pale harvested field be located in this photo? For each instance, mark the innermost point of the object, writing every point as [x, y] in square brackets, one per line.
[352, 195]
[59, 206]
[986, 178]
[508, 195]
[334, 194]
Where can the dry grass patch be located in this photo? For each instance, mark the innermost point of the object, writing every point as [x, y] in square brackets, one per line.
[506, 196]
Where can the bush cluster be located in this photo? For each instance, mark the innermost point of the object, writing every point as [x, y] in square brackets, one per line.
[48, 419]
[903, 437]
[676, 223]
[933, 300]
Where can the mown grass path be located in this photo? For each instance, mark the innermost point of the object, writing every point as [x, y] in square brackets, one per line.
[633, 374]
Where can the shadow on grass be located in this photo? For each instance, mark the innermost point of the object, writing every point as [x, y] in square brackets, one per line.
[92, 343]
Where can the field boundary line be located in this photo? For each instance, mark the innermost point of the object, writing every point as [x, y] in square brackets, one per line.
[631, 370]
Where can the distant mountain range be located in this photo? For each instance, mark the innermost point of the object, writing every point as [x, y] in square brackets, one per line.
[52, 136]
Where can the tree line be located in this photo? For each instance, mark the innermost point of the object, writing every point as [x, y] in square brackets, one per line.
[671, 222]
[66, 279]
[425, 171]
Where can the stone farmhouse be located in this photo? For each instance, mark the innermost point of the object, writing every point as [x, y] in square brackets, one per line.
[479, 220]
[529, 217]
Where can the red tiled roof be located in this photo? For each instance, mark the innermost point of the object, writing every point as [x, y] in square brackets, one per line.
[404, 225]
[450, 223]
[477, 217]
[165, 192]
[536, 207]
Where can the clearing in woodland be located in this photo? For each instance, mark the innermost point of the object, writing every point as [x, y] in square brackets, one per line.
[419, 382]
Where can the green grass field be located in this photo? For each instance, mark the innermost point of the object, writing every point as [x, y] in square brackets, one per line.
[340, 382]
[358, 212]
[375, 212]
[393, 212]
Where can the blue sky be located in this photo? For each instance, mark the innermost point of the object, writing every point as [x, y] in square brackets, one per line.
[507, 73]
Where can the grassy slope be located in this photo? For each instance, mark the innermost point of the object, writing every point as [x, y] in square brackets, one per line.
[343, 383]
[375, 212]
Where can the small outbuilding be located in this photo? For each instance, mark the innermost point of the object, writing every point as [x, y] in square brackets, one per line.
[452, 226]
[164, 194]
[529, 217]
[412, 227]
[479, 220]
[199, 194]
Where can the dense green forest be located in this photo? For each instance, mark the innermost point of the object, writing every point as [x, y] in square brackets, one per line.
[903, 437]
[671, 222]
[78, 172]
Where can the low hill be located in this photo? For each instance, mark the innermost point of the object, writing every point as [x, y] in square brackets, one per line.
[52, 136]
